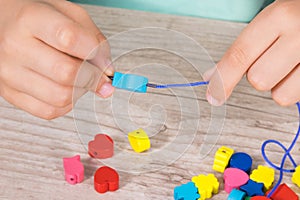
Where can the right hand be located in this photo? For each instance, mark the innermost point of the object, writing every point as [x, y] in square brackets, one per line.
[267, 51]
[42, 46]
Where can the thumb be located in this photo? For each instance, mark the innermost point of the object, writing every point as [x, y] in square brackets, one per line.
[254, 40]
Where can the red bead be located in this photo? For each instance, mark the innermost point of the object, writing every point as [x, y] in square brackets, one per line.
[106, 179]
[283, 192]
[101, 147]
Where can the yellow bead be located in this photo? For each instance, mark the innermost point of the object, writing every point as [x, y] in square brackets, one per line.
[139, 140]
[207, 185]
[296, 176]
[222, 158]
[263, 174]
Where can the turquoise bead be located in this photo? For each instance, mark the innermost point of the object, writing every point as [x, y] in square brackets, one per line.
[130, 82]
[236, 195]
[186, 191]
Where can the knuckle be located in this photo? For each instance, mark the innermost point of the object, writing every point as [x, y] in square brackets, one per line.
[281, 99]
[66, 72]
[24, 11]
[237, 57]
[8, 95]
[5, 73]
[1, 91]
[2, 71]
[258, 82]
[27, 10]
[103, 40]
[65, 110]
[53, 112]
[49, 113]
[297, 40]
[283, 8]
[79, 10]
[7, 44]
[64, 96]
[67, 36]
[287, 12]
[4, 46]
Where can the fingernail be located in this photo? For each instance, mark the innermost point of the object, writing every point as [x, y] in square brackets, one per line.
[208, 74]
[109, 68]
[213, 101]
[106, 90]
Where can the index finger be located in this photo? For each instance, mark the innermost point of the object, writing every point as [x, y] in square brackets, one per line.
[254, 40]
[78, 14]
[59, 31]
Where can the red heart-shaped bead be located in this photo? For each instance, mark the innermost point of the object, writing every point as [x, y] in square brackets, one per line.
[101, 147]
[106, 179]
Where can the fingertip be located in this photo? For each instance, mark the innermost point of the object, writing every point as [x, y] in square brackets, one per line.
[216, 93]
[105, 91]
[213, 101]
[283, 98]
[209, 73]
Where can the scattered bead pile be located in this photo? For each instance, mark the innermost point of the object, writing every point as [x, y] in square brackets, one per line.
[239, 181]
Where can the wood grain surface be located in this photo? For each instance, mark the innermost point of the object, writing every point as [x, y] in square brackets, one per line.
[185, 130]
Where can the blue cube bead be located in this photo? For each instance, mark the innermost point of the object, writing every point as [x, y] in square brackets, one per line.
[130, 82]
[236, 195]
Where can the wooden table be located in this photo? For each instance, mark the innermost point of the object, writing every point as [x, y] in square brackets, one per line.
[178, 120]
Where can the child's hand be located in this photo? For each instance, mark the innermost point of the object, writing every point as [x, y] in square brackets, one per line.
[42, 45]
[268, 51]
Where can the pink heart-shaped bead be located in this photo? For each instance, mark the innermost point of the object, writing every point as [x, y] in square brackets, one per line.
[234, 178]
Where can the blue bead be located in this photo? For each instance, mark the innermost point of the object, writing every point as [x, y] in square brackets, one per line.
[253, 189]
[236, 195]
[130, 82]
[241, 161]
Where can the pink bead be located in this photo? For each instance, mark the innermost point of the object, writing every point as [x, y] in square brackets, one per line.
[74, 170]
[234, 178]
